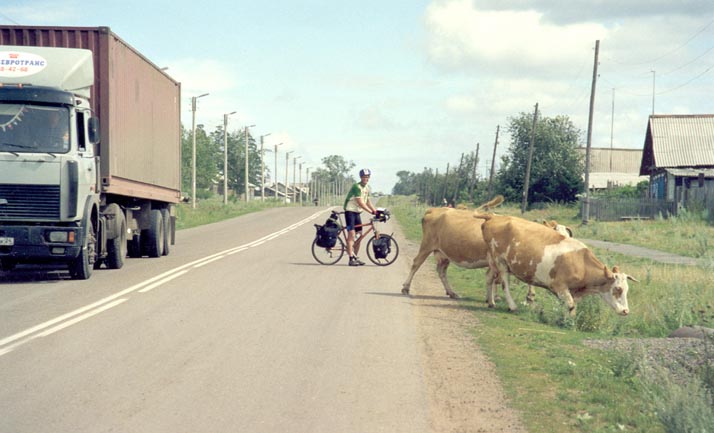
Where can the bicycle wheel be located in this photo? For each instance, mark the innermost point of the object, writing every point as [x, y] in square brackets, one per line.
[328, 256]
[391, 256]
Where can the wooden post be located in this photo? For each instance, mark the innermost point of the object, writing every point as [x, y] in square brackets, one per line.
[527, 179]
[493, 164]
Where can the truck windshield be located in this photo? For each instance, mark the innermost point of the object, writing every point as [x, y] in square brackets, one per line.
[33, 128]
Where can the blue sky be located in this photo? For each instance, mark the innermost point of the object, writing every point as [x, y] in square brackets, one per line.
[403, 85]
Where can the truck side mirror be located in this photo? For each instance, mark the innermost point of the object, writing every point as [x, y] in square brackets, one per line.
[93, 126]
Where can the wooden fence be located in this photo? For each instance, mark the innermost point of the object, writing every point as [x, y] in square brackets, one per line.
[611, 209]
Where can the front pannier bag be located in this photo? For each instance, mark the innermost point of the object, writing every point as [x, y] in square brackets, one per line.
[381, 247]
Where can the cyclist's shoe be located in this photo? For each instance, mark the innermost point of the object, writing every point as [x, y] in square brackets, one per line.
[355, 261]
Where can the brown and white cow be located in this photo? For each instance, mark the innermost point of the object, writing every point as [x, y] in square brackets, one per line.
[453, 235]
[542, 257]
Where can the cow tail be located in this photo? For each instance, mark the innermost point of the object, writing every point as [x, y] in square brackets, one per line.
[490, 204]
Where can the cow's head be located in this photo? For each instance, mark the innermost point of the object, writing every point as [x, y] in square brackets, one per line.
[563, 230]
[615, 290]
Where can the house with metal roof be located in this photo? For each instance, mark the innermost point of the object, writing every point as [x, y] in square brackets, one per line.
[678, 157]
[612, 168]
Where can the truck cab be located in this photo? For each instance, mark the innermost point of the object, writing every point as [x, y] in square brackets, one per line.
[49, 200]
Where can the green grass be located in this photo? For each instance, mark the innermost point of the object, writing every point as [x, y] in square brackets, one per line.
[213, 210]
[558, 383]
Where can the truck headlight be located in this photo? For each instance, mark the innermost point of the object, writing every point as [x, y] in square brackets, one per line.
[61, 236]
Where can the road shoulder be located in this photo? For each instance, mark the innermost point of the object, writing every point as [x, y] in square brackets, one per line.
[465, 394]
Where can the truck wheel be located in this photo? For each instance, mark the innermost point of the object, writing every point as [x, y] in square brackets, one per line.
[166, 217]
[81, 268]
[153, 237]
[117, 248]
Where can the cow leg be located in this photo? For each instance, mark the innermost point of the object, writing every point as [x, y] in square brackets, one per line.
[492, 280]
[530, 298]
[567, 298]
[504, 274]
[442, 264]
[416, 264]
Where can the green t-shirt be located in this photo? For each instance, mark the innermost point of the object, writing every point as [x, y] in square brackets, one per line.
[357, 190]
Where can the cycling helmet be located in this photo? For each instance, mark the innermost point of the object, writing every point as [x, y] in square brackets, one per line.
[365, 172]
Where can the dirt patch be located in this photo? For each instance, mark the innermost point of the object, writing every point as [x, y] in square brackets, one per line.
[465, 395]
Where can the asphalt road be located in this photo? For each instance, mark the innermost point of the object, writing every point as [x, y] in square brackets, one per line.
[238, 330]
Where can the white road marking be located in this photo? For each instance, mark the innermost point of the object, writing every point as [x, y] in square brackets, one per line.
[10, 343]
[9, 348]
[82, 317]
[160, 282]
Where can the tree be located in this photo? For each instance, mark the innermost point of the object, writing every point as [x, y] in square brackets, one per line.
[407, 183]
[206, 154]
[236, 158]
[556, 167]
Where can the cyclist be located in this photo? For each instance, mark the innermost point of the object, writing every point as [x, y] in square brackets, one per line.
[357, 200]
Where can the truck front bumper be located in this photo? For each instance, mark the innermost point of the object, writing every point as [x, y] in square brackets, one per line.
[39, 244]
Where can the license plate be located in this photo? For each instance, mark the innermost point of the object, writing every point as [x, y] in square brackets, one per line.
[7, 242]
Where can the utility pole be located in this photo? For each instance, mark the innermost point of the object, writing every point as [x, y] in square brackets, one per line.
[472, 182]
[493, 163]
[193, 171]
[294, 170]
[612, 126]
[458, 180]
[275, 173]
[586, 204]
[653, 89]
[287, 160]
[246, 161]
[446, 183]
[300, 182]
[527, 179]
[262, 168]
[225, 157]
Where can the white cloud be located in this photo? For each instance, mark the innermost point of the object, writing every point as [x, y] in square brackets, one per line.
[465, 38]
[201, 75]
[373, 118]
[461, 104]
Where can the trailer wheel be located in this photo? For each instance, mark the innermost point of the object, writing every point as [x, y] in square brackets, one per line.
[81, 268]
[153, 237]
[166, 217]
[117, 248]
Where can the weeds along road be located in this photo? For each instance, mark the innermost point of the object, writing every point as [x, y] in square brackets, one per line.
[239, 329]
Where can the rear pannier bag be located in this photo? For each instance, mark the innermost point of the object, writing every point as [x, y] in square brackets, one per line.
[381, 247]
[327, 234]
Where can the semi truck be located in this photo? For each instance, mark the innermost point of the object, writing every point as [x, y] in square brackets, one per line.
[90, 150]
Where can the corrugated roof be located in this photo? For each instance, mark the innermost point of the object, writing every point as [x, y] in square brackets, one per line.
[691, 172]
[607, 160]
[682, 140]
[603, 180]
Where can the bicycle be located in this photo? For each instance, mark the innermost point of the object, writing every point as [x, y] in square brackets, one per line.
[332, 255]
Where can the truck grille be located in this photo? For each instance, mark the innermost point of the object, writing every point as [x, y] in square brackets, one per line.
[29, 202]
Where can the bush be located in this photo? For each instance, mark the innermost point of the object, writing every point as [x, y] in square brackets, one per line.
[681, 405]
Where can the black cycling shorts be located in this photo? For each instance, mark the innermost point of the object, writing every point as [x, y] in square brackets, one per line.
[352, 220]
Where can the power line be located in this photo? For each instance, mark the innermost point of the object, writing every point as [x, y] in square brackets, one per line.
[690, 62]
[8, 18]
[662, 92]
[697, 33]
